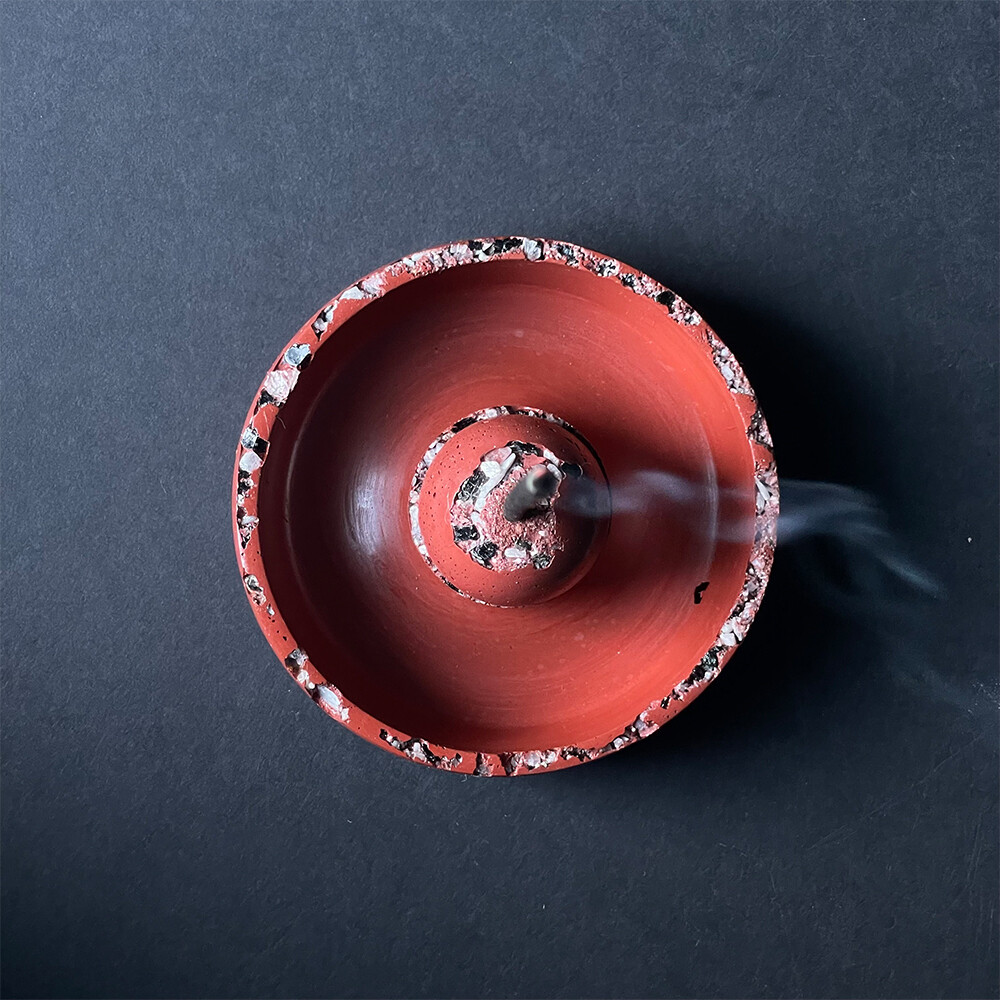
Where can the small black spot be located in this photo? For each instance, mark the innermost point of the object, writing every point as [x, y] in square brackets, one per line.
[466, 533]
[602, 267]
[699, 590]
[462, 424]
[571, 469]
[260, 447]
[523, 543]
[542, 561]
[483, 554]
[475, 245]
[469, 489]
[628, 280]
[756, 429]
[521, 448]
[511, 762]
[568, 254]
[666, 298]
[503, 246]
[708, 664]
[266, 398]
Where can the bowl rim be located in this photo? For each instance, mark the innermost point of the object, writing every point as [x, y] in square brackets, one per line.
[280, 382]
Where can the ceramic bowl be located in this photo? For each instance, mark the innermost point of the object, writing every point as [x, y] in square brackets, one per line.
[381, 452]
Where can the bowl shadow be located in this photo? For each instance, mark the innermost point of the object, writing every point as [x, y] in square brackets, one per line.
[795, 651]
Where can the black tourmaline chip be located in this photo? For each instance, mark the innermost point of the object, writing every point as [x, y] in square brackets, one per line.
[462, 424]
[520, 448]
[567, 253]
[628, 280]
[468, 533]
[666, 298]
[699, 590]
[470, 487]
[709, 663]
[571, 469]
[483, 554]
[541, 561]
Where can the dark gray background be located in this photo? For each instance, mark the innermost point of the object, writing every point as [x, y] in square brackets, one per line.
[184, 184]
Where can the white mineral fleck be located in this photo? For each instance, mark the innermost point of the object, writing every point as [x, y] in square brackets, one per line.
[296, 354]
[495, 473]
[279, 384]
[331, 698]
[250, 462]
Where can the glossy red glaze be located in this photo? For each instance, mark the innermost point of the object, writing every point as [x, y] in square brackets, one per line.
[599, 650]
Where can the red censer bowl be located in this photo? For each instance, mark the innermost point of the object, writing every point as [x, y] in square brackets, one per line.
[504, 506]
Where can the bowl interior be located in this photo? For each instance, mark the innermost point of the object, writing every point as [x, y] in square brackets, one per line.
[336, 538]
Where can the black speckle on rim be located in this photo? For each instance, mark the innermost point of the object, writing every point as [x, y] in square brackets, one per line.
[568, 254]
[522, 448]
[709, 664]
[666, 298]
